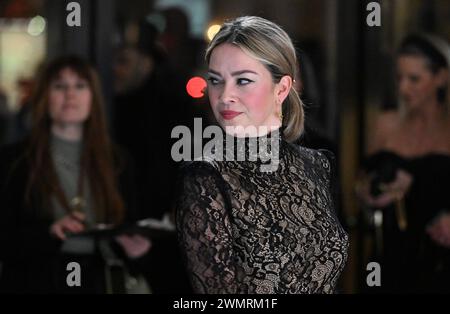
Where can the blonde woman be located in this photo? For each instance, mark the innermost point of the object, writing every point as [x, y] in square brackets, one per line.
[242, 229]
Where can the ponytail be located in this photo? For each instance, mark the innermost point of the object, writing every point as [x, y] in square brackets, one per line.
[293, 116]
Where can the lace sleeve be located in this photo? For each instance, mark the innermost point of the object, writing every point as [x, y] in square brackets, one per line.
[333, 184]
[334, 187]
[204, 230]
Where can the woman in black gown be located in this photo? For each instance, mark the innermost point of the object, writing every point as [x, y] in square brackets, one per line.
[243, 227]
[409, 172]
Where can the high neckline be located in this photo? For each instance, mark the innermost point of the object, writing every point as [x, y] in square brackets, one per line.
[69, 150]
[260, 149]
[64, 141]
[277, 132]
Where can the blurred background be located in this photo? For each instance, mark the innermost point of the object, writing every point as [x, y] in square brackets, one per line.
[347, 67]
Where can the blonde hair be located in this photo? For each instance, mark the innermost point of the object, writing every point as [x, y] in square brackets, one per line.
[270, 44]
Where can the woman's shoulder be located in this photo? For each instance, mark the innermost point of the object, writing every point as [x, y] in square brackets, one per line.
[382, 127]
[311, 154]
[387, 119]
[200, 167]
[14, 164]
[447, 127]
[14, 148]
[315, 158]
[200, 177]
[384, 124]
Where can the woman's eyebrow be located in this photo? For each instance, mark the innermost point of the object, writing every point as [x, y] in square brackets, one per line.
[242, 72]
[235, 73]
[213, 72]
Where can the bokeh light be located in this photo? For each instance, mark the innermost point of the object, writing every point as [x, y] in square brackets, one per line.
[36, 26]
[196, 87]
[212, 31]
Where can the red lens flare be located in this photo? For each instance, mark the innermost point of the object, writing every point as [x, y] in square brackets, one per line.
[196, 87]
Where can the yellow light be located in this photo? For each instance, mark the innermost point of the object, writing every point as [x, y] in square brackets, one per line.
[212, 31]
[36, 25]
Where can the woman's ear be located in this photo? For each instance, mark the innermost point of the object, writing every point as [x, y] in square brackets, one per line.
[283, 87]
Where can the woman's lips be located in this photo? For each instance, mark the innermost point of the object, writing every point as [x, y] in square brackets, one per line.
[229, 114]
[70, 107]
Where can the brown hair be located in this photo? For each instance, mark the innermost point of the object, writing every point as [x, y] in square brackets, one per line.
[436, 53]
[271, 45]
[97, 158]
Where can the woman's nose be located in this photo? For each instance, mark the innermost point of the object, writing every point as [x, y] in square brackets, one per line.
[70, 92]
[228, 94]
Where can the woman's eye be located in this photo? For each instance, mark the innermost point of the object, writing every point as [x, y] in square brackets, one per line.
[243, 81]
[213, 81]
[414, 78]
[58, 85]
[82, 85]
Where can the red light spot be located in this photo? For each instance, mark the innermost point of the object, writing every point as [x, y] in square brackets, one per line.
[196, 87]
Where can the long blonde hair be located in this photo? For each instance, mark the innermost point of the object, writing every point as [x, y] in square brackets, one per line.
[268, 43]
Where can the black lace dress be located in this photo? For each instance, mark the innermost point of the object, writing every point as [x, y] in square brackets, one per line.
[243, 230]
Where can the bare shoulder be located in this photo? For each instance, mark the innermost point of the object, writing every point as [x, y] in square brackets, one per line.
[383, 127]
[447, 138]
[387, 120]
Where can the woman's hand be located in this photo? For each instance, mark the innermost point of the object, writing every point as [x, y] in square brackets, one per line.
[73, 223]
[392, 192]
[439, 231]
[134, 246]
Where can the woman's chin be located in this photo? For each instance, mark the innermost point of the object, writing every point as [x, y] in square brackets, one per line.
[71, 121]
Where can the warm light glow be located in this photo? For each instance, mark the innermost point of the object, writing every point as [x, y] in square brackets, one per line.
[196, 87]
[212, 31]
[36, 25]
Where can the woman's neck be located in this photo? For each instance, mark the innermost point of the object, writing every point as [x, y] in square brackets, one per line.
[69, 132]
[431, 115]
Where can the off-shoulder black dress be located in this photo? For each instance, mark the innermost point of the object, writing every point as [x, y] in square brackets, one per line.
[410, 260]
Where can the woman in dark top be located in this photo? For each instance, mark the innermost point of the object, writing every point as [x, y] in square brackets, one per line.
[408, 172]
[66, 178]
[244, 227]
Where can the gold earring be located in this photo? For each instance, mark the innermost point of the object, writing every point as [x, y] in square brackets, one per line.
[280, 114]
